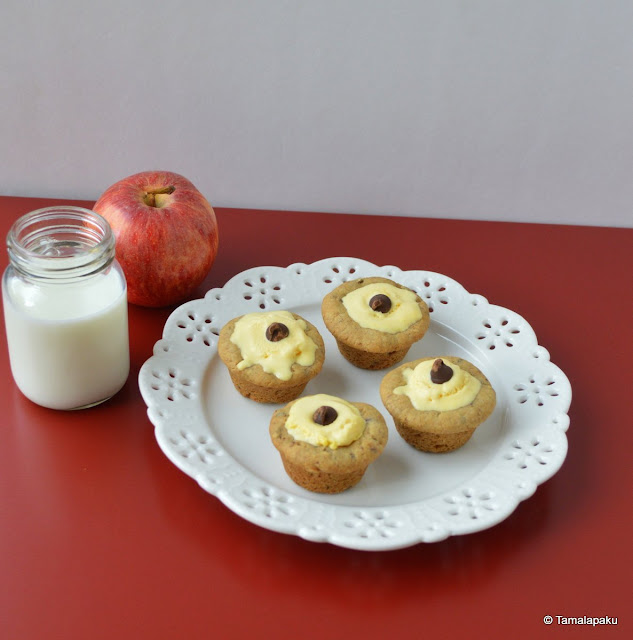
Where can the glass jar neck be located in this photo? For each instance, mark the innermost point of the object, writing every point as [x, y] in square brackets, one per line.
[60, 244]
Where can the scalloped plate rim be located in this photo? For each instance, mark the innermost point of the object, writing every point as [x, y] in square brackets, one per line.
[408, 536]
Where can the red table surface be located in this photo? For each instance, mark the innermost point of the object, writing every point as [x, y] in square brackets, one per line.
[102, 537]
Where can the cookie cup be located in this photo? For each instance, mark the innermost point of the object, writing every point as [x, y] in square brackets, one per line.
[324, 470]
[369, 348]
[436, 431]
[258, 385]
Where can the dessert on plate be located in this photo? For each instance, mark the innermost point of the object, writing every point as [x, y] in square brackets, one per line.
[271, 355]
[374, 320]
[437, 403]
[326, 443]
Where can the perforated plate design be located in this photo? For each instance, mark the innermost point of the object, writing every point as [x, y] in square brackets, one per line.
[221, 439]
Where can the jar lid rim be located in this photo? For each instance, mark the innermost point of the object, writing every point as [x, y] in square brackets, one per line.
[60, 242]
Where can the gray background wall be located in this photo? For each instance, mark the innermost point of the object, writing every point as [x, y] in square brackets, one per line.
[485, 109]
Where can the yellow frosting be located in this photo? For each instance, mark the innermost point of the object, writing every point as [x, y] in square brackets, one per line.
[425, 395]
[403, 313]
[347, 428]
[249, 335]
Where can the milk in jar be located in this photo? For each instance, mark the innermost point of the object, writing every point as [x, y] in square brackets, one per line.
[65, 309]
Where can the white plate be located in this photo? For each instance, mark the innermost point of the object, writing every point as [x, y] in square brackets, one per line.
[213, 434]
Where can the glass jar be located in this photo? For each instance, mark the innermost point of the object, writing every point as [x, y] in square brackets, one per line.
[65, 308]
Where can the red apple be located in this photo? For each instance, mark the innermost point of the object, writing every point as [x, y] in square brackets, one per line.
[166, 235]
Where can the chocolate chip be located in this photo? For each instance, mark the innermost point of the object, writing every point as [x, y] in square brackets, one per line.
[325, 415]
[440, 372]
[380, 302]
[276, 332]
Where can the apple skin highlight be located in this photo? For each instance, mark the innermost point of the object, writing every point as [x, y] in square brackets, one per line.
[166, 235]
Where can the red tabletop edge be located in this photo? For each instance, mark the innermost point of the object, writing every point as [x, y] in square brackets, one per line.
[102, 537]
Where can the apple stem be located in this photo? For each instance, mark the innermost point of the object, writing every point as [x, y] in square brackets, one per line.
[150, 195]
